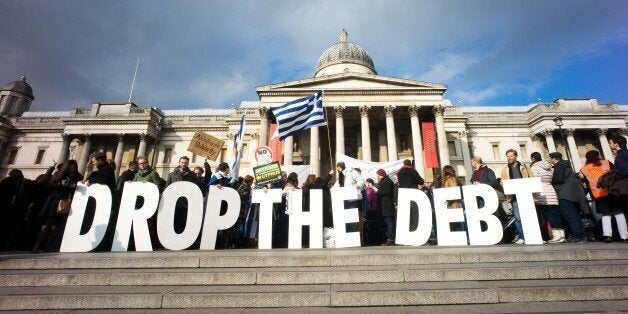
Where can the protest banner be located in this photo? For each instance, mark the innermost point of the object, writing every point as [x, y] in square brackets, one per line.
[205, 145]
[268, 173]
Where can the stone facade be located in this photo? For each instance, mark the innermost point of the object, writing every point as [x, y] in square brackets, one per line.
[370, 117]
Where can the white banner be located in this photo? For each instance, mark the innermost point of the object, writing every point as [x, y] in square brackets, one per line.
[369, 168]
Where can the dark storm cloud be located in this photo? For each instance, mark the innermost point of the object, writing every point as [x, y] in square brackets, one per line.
[213, 53]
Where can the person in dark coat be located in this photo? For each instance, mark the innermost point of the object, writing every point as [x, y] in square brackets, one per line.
[482, 173]
[62, 185]
[567, 188]
[181, 173]
[103, 173]
[127, 175]
[385, 193]
[409, 178]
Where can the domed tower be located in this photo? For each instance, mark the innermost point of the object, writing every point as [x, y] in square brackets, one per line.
[15, 98]
[344, 56]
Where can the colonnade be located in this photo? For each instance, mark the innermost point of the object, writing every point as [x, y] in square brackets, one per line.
[365, 136]
[573, 149]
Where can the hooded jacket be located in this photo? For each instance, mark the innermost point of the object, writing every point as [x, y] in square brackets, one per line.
[543, 170]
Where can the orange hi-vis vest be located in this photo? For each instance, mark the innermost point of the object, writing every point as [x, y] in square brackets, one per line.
[593, 173]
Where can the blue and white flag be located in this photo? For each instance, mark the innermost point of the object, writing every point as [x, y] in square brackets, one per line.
[237, 146]
[299, 115]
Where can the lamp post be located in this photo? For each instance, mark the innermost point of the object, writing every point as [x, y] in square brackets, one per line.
[558, 121]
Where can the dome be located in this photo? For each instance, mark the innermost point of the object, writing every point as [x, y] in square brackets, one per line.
[345, 52]
[20, 87]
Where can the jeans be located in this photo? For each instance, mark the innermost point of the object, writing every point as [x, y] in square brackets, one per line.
[390, 228]
[569, 210]
[515, 211]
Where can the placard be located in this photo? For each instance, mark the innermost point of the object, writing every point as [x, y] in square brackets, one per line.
[267, 173]
[263, 155]
[206, 145]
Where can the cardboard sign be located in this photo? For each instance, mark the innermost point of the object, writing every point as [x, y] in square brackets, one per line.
[267, 173]
[205, 145]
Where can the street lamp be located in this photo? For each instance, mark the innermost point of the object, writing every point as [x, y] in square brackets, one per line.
[558, 121]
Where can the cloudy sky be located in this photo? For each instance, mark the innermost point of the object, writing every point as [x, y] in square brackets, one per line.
[211, 54]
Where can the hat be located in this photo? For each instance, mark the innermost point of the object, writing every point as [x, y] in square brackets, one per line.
[381, 172]
[556, 155]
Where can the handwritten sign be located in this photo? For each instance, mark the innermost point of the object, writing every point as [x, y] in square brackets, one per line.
[267, 173]
[205, 145]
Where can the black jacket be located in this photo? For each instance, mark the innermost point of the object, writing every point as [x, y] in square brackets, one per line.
[104, 175]
[409, 178]
[565, 182]
[385, 195]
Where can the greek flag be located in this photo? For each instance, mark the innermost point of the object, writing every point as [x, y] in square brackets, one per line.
[299, 115]
[237, 146]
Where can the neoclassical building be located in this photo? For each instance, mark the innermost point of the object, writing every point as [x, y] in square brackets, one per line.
[370, 117]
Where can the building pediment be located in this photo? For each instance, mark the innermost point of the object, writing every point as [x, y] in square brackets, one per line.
[351, 83]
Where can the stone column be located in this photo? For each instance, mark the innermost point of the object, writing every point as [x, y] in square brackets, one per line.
[263, 126]
[340, 131]
[391, 139]
[141, 150]
[417, 142]
[441, 136]
[466, 155]
[119, 152]
[288, 150]
[315, 161]
[65, 148]
[366, 132]
[2, 144]
[549, 139]
[573, 150]
[84, 161]
[606, 149]
[381, 143]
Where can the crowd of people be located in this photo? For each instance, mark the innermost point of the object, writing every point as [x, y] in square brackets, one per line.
[34, 216]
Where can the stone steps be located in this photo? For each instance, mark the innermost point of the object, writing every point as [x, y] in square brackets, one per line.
[318, 278]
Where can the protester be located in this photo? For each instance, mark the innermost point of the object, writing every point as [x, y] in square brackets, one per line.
[567, 188]
[515, 170]
[146, 173]
[221, 179]
[409, 178]
[10, 204]
[62, 184]
[127, 175]
[181, 173]
[103, 173]
[385, 193]
[482, 173]
[547, 201]
[593, 170]
[237, 231]
[620, 185]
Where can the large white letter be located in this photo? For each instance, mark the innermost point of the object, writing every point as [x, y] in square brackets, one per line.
[135, 219]
[213, 220]
[266, 199]
[313, 218]
[523, 189]
[343, 216]
[445, 216]
[424, 229]
[475, 215]
[168, 237]
[73, 240]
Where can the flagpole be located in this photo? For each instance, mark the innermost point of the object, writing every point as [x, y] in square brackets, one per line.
[331, 156]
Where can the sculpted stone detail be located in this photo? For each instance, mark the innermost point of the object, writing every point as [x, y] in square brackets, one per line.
[438, 111]
[66, 137]
[364, 110]
[414, 111]
[548, 132]
[570, 132]
[120, 137]
[263, 112]
[390, 110]
[601, 132]
[339, 110]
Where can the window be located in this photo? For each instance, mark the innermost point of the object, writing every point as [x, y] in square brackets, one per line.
[193, 158]
[167, 155]
[403, 142]
[13, 155]
[495, 151]
[471, 151]
[522, 150]
[223, 154]
[40, 156]
[451, 145]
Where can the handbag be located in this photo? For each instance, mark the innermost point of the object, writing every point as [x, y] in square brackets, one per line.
[64, 205]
